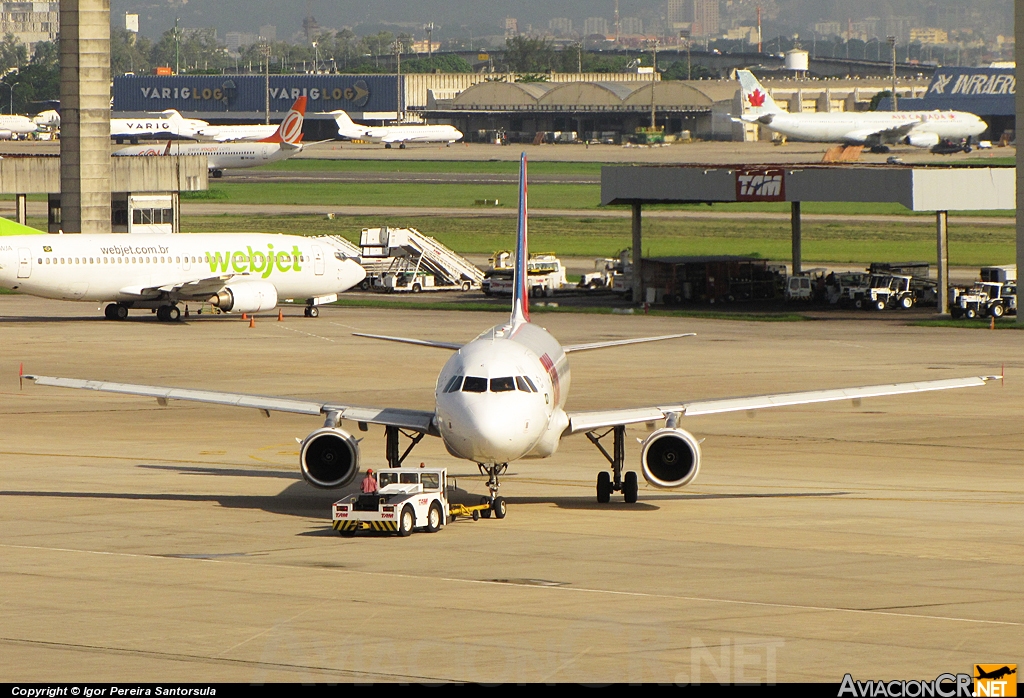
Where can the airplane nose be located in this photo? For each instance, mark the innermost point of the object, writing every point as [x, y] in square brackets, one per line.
[497, 434]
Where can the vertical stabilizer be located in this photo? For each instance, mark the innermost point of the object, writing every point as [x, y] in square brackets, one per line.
[521, 295]
[290, 130]
[756, 100]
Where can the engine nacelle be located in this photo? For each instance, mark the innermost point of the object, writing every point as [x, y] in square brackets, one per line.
[246, 297]
[922, 140]
[670, 458]
[6, 135]
[329, 458]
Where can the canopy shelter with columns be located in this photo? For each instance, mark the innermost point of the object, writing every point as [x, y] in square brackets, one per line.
[938, 189]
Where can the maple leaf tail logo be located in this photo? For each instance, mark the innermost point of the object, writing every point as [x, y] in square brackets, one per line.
[756, 98]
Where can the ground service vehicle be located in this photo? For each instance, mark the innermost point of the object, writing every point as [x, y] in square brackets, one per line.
[407, 499]
[984, 299]
[890, 292]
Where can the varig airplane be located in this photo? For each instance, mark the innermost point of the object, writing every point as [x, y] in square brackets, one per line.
[501, 397]
[225, 133]
[243, 273]
[389, 135]
[285, 142]
[876, 129]
[162, 125]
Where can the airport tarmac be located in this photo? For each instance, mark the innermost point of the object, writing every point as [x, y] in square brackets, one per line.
[148, 543]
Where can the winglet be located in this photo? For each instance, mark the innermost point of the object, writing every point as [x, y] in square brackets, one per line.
[290, 130]
[521, 295]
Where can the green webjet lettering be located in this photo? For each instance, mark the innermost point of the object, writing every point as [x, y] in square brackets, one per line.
[255, 261]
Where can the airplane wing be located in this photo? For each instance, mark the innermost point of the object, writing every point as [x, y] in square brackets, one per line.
[202, 287]
[623, 342]
[414, 420]
[587, 421]
[406, 340]
[885, 134]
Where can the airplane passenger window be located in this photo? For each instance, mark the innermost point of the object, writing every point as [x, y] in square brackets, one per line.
[474, 385]
[503, 385]
[521, 384]
[530, 383]
[409, 478]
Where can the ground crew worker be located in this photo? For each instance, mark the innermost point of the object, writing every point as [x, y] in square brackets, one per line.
[369, 485]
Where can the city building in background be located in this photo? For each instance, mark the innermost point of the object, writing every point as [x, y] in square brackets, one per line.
[30, 22]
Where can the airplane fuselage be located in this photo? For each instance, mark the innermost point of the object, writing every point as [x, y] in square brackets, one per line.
[236, 132]
[850, 127]
[105, 267]
[219, 156]
[14, 124]
[502, 396]
[407, 134]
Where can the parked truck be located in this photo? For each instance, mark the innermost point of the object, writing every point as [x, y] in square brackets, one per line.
[984, 299]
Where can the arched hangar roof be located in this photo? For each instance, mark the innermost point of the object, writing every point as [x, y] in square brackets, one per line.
[502, 93]
[582, 94]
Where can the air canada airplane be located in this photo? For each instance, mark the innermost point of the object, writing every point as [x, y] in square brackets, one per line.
[501, 397]
[242, 273]
[389, 135]
[285, 142]
[876, 129]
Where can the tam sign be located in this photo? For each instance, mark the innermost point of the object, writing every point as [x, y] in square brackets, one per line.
[760, 184]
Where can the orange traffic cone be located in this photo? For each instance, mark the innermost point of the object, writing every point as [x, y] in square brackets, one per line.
[280, 315]
[992, 325]
[245, 316]
[252, 321]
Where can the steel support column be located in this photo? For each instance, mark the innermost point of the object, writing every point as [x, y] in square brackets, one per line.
[638, 282]
[795, 223]
[942, 249]
[21, 204]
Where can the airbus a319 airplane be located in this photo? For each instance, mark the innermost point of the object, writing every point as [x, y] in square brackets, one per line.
[400, 134]
[236, 272]
[501, 397]
[876, 129]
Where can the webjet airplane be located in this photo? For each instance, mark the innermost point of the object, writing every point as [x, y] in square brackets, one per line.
[161, 125]
[501, 397]
[389, 135]
[285, 142]
[236, 272]
[876, 129]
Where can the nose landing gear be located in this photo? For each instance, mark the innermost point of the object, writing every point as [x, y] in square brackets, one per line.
[498, 505]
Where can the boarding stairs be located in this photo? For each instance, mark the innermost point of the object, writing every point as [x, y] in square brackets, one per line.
[407, 249]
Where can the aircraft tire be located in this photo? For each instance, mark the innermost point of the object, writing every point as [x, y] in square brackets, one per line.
[486, 513]
[312, 311]
[110, 312]
[499, 507]
[161, 313]
[630, 488]
[122, 312]
[604, 487]
[173, 314]
[387, 146]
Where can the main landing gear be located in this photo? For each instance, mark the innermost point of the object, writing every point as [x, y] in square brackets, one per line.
[168, 313]
[116, 311]
[615, 481]
[311, 311]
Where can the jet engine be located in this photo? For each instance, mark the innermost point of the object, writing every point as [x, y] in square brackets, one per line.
[670, 457]
[329, 457]
[246, 297]
[6, 135]
[922, 140]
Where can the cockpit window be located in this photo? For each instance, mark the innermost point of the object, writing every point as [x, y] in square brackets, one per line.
[503, 385]
[340, 255]
[522, 384]
[474, 384]
[530, 383]
[454, 384]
